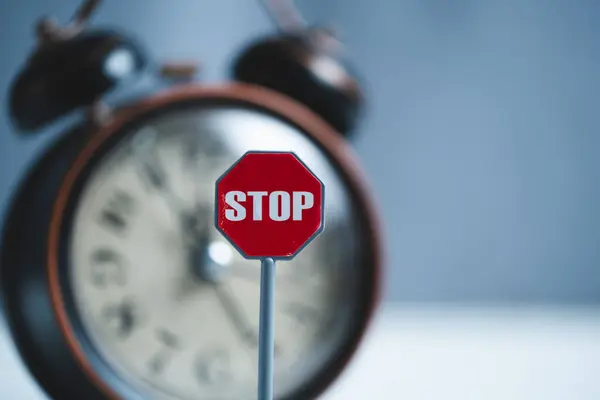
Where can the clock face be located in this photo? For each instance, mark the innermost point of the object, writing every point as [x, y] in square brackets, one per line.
[165, 301]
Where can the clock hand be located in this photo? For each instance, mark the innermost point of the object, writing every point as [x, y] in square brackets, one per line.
[190, 221]
[208, 270]
[154, 175]
[211, 271]
[234, 311]
[157, 180]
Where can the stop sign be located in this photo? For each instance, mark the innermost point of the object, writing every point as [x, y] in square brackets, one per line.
[269, 204]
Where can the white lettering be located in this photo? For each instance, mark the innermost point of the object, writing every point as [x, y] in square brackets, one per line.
[257, 201]
[282, 205]
[276, 212]
[302, 201]
[238, 212]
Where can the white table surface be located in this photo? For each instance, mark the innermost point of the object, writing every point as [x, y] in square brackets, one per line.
[429, 353]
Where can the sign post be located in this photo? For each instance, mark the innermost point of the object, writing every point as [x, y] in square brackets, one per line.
[269, 206]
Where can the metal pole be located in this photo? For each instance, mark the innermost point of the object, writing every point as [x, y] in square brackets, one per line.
[266, 334]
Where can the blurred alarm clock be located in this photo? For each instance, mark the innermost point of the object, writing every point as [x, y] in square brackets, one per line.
[109, 237]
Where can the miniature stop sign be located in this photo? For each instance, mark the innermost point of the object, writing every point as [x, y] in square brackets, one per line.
[269, 204]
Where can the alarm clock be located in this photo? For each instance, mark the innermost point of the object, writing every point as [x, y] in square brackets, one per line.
[101, 258]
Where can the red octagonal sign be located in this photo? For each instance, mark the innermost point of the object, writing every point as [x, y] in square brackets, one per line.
[269, 204]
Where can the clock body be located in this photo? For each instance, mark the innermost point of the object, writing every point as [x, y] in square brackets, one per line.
[117, 285]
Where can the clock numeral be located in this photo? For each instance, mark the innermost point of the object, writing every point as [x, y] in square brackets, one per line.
[168, 343]
[122, 317]
[117, 211]
[205, 154]
[144, 150]
[190, 151]
[153, 174]
[214, 367]
[167, 338]
[159, 361]
[304, 314]
[107, 267]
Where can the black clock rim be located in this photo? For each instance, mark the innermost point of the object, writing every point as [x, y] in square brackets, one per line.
[94, 369]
